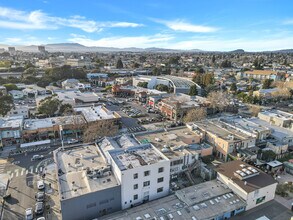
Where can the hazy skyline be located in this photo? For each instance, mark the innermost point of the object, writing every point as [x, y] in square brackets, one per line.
[252, 25]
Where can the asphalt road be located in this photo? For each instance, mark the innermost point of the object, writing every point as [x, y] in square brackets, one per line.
[24, 174]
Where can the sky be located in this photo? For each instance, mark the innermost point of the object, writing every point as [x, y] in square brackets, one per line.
[222, 25]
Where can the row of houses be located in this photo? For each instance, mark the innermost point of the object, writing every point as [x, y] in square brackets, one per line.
[15, 130]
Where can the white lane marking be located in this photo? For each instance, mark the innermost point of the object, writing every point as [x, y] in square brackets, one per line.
[16, 173]
[31, 169]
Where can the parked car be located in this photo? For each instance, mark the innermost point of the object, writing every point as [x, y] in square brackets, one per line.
[29, 214]
[72, 141]
[37, 157]
[41, 218]
[39, 208]
[41, 184]
[40, 196]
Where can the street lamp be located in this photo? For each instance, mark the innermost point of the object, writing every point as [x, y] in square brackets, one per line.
[61, 136]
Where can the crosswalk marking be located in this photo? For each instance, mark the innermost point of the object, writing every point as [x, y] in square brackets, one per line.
[16, 173]
[23, 171]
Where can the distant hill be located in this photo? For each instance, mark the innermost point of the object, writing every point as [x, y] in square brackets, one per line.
[237, 51]
[75, 47]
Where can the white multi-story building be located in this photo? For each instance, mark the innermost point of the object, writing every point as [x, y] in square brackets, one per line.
[143, 171]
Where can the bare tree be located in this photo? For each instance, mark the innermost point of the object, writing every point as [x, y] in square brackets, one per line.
[219, 100]
[283, 93]
[98, 129]
[195, 115]
[254, 110]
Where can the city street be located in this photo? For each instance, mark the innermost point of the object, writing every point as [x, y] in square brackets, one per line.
[24, 174]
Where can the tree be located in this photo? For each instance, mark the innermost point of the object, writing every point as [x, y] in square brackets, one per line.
[233, 87]
[6, 104]
[226, 64]
[195, 115]
[10, 87]
[218, 100]
[65, 109]
[254, 110]
[142, 84]
[162, 88]
[119, 64]
[99, 129]
[268, 155]
[213, 59]
[193, 90]
[267, 83]
[49, 106]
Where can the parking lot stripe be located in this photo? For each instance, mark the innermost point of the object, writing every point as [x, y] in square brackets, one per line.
[31, 169]
[11, 175]
[26, 172]
[16, 173]
[36, 169]
[22, 171]
[41, 169]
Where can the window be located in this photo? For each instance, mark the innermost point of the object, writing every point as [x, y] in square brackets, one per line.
[146, 183]
[161, 179]
[161, 169]
[261, 199]
[135, 197]
[104, 201]
[160, 190]
[135, 176]
[91, 205]
[146, 173]
[135, 186]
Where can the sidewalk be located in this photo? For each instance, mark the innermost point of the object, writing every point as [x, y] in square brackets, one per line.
[6, 151]
[52, 194]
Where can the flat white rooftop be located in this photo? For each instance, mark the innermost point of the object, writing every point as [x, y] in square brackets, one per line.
[95, 113]
[278, 114]
[11, 122]
[136, 156]
[82, 170]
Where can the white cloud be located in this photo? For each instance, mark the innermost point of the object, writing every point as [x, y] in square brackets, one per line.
[124, 41]
[169, 41]
[228, 45]
[15, 19]
[180, 25]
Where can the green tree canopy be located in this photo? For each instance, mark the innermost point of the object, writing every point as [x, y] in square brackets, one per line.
[6, 104]
[49, 106]
[162, 87]
[142, 84]
[65, 109]
[119, 64]
[233, 87]
[193, 90]
[10, 87]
